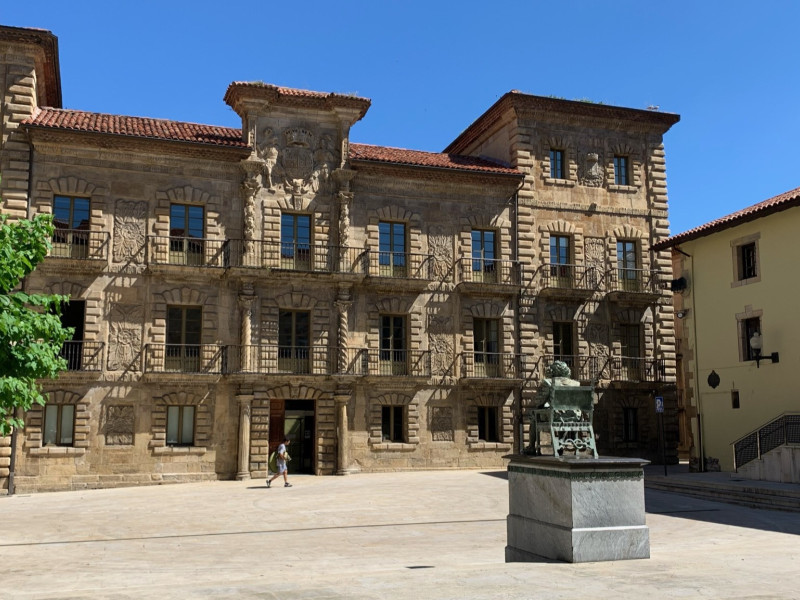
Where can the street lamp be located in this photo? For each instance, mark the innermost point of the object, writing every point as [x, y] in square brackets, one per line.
[756, 344]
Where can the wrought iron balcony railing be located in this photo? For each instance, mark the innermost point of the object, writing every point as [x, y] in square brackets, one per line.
[399, 363]
[79, 244]
[259, 254]
[186, 251]
[491, 365]
[400, 265]
[633, 281]
[351, 361]
[82, 355]
[489, 271]
[553, 276]
[185, 358]
[584, 368]
[266, 359]
[635, 369]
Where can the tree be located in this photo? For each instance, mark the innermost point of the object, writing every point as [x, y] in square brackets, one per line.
[31, 335]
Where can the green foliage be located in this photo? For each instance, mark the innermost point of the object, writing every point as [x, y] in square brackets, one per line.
[31, 334]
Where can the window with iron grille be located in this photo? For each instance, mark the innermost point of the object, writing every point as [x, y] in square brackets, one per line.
[562, 343]
[393, 345]
[488, 423]
[556, 163]
[71, 220]
[294, 337]
[186, 230]
[392, 421]
[392, 256]
[483, 251]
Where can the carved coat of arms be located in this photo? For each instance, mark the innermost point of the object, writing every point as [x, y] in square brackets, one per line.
[301, 164]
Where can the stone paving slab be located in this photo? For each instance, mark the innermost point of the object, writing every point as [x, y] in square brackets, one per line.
[394, 535]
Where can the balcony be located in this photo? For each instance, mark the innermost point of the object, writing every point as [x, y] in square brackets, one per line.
[268, 359]
[633, 286]
[185, 358]
[83, 356]
[307, 258]
[584, 368]
[82, 249]
[481, 274]
[186, 252]
[631, 369]
[567, 282]
[399, 363]
[491, 365]
[400, 266]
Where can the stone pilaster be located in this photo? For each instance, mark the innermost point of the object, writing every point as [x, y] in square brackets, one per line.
[341, 398]
[245, 403]
[246, 302]
[343, 303]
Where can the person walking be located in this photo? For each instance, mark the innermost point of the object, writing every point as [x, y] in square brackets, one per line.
[283, 458]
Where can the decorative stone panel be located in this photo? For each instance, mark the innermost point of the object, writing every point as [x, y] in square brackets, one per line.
[125, 327]
[440, 419]
[118, 424]
[130, 228]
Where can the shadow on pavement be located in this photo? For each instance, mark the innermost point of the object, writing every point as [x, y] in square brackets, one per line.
[685, 507]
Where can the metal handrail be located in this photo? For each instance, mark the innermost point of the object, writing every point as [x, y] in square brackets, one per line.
[82, 355]
[636, 368]
[491, 365]
[185, 358]
[761, 440]
[400, 265]
[583, 367]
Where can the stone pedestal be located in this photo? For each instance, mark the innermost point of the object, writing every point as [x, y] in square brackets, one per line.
[576, 509]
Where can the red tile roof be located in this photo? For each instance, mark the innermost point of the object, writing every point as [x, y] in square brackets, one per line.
[751, 213]
[239, 91]
[437, 160]
[141, 127]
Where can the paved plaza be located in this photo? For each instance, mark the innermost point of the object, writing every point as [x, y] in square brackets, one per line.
[395, 535]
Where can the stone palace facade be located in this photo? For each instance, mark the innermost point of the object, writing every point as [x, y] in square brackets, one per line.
[387, 309]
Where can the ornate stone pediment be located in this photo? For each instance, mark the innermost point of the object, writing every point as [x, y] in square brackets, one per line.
[591, 170]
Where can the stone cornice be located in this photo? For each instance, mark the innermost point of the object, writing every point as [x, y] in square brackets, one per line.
[46, 136]
[46, 60]
[382, 169]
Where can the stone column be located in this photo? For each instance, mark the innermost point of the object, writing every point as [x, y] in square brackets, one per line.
[341, 397]
[251, 185]
[345, 201]
[343, 303]
[245, 402]
[246, 302]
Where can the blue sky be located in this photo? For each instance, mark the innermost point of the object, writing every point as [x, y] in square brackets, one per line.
[730, 69]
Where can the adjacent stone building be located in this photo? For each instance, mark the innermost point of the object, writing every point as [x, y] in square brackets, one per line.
[385, 308]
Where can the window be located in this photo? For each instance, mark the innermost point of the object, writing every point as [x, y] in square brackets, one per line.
[71, 221]
[626, 265]
[186, 244]
[296, 242]
[560, 270]
[630, 348]
[746, 254]
[180, 425]
[72, 315]
[747, 327]
[392, 423]
[487, 423]
[392, 257]
[59, 424]
[393, 354]
[484, 252]
[562, 343]
[184, 327]
[630, 424]
[487, 347]
[734, 399]
[557, 164]
[293, 341]
[621, 171]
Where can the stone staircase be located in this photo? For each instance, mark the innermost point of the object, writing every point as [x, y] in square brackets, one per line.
[728, 488]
